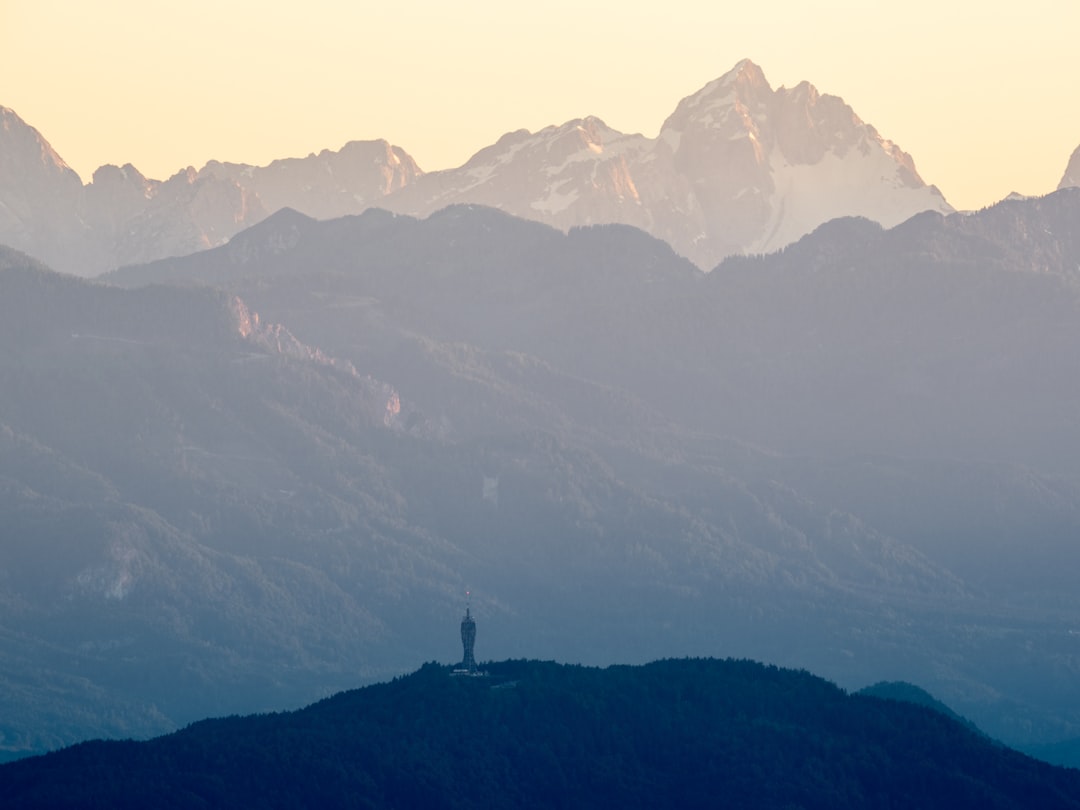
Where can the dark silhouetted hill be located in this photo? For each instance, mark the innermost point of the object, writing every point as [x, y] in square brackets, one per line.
[675, 733]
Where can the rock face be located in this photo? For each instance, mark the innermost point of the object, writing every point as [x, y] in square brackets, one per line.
[39, 194]
[134, 219]
[766, 167]
[1071, 177]
[737, 168]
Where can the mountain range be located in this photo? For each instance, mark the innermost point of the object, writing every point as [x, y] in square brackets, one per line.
[268, 470]
[738, 167]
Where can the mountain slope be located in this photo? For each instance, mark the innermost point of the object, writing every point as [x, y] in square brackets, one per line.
[159, 452]
[909, 693]
[1071, 178]
[678, 733]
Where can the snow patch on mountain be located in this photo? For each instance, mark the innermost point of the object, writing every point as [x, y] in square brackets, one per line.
[806, 195]
[557, 200]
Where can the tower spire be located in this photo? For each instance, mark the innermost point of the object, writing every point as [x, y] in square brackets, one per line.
[468, 636]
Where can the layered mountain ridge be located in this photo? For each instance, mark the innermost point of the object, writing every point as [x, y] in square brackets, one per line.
[737, 168]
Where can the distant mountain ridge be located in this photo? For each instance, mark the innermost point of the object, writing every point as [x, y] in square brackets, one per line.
[122, 217]
[327, 185]
[737, 168]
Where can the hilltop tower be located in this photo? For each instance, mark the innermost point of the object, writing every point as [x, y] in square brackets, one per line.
[468, 639]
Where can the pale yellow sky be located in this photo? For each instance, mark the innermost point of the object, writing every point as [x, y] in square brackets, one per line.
[984, 95]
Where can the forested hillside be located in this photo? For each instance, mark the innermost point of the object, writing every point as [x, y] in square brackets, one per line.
[676, 733]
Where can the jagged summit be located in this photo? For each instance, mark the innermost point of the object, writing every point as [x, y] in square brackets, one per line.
[20, 141]
[737, 93]
[576, 173]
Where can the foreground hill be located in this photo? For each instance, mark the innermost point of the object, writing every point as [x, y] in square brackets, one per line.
[676, 733]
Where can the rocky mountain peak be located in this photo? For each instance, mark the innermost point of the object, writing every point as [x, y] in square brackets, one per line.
[24, 150]
[34, 177]
[732, 104]
[115, 194]
[745, 83]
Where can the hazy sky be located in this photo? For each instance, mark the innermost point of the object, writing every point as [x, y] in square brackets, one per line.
[984, 95]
